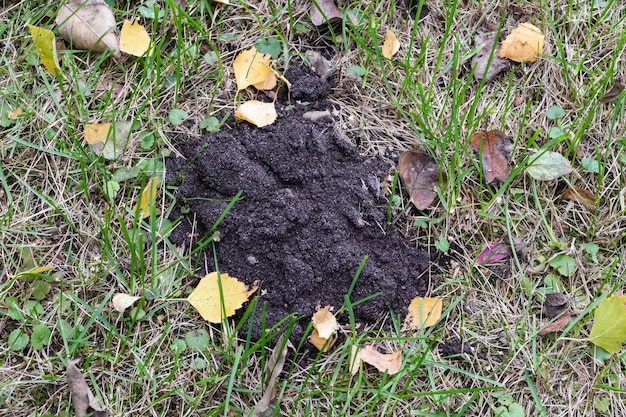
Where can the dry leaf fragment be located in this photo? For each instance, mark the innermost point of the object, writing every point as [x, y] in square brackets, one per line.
[147, 198]
[218, 296]
[88, 24]
[318, 64]
[494, 148]
[391, 45]
[321, 343]
[134, 38]
[122, 301]
[523, 44]
[423, 313]
[582, 196]
[384, 362]
[251, 67]
[256, 112]
[107, 139]
[419, 175]
[325, 322]
[84, 401]
[556, 325]
[554, 304]
[273, 368]
[484, 63]
[323, 11]
[613, 94]
[45, 46]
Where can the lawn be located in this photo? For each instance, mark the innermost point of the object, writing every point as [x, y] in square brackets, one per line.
[526, 225]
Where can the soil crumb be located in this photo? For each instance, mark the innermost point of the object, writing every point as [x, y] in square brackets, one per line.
[311, 209]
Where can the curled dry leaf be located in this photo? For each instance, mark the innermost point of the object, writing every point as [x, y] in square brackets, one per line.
[556, 325]
[582, 196]
[613, 94]
[134, 39]
[89, 24]
[384, 362]
[494, 148]
[523, 44]
[423, 313]
[84, 401]
[325, 322]
[391, 46]
[323, 11]
[219, 294]
[485, 63]
[273, 368]
[121, 301]
[321, 343]
[256, 112]
[419, 175]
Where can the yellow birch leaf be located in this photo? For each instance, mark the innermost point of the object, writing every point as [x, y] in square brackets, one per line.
[46, 48]
[134, 39]
[256, 112]
[97, 132]
[33, 271]
[251, 67]
[218, 296]
[523, 44]
[268, 83]
[320, 342]
[384, 362]
[391, 45]
[423, 313]
[147, 198]
[609, 323]
[121, 301]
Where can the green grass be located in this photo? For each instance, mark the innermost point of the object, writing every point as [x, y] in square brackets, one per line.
[61, 205]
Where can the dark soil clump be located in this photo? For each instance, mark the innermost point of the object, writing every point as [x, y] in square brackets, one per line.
[311, 208]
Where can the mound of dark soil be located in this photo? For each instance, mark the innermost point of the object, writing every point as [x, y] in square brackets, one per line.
[310, 210]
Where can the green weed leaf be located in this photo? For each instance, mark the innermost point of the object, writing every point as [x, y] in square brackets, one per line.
[565, 264]
[14, 310]
[268, 46]
[591, 165]
[197, 340]
[40, 290]
[18, 340]
[555, 112]
[41, 337]
[549, 166]
[210, 124]
[442, 244]
[177, 116]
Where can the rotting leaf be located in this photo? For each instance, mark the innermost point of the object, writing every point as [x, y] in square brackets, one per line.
[273, 368]
[481, 63]
[582, 196]
[419, 175]
[88, 25]
[523, 44]
[147, 199]
[218, 296]
[609, 323]
[134, 39]
[384, 362]
[256, 112]
[391, 46]
[121, 301]
[613, 94]
[554, 304]
[556, 325]
[493, 253]
[45, 45]
[423, 313]
[323, 11]
[84, 401]
[252, 67]
[549, 166]
[494, 148]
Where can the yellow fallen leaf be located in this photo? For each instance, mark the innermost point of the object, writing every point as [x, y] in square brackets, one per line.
[122, 301]
[256, 112]
[33, 271]
[320, 342]
[423, 313]
[609, 323]
[523, 44]
[14, 114]
[46, 48]
[384, 362]
[108, 139]
[147, 198]
[325, 322]
[218, 296]
[268, 83]
[97, 132]
[391, 45]
[251, 67]
[134, 39]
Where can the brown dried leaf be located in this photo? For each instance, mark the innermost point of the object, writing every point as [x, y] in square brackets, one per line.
[384, 362]
[88, 24]
[554, 304]
[613, 94]
[419, 175]
[556, 325]
[121, 301]
[494, 148]
[480, 62]
[582, 196]
[321, 343]
[323, 11]
[318, 64]
[273, 368]
[84, 401]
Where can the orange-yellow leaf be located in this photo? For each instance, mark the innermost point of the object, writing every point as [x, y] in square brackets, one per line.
[384, 362]
[423, 313]
[256, 112]
[45, 45]
[97, 132]
[121, 301]
[609, 323]
[320, 342]
[218, 296]
[134, 39]
[523, 44]
[325, 322]
[147, 198]
[251, 67]
[391, 45]
[268, 83]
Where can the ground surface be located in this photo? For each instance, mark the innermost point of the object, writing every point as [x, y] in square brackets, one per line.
[312, 207]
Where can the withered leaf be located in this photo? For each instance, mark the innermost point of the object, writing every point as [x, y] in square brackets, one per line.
[556, 325]
[84, 401]
[318, 64]
[273, 368]
[493, 253]
[323, 11]
[613, 94]
[481, 61]
[419, 175]
[554, 304]
[494, 148]
[524, 43]
[582, 196]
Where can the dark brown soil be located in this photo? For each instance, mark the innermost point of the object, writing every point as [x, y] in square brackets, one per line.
[311, 208]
